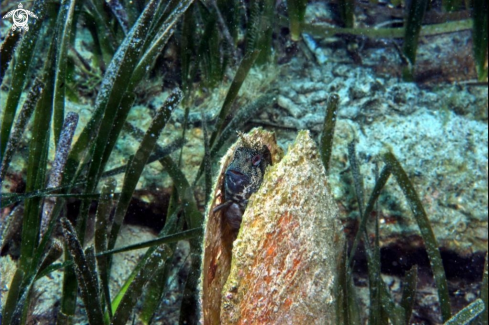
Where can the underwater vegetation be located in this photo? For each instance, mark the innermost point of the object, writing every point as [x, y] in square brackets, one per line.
[69, 156]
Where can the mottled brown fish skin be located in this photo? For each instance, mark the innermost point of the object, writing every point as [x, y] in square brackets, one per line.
[242, 178]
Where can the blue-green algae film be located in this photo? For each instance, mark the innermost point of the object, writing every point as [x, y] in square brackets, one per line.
[366, 119]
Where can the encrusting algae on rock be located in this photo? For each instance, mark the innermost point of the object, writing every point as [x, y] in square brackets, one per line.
[282, 267]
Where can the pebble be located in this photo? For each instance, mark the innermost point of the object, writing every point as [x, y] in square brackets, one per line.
[290, 106]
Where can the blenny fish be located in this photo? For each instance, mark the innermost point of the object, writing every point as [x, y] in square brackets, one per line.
[241, 174]
[242, 178]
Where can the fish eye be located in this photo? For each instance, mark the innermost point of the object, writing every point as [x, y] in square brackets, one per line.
[256, 160]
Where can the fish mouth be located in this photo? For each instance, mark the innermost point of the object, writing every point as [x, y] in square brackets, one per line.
[236, 180]
[235, 172]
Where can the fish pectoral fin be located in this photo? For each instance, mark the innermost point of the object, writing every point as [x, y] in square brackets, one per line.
[222, 206]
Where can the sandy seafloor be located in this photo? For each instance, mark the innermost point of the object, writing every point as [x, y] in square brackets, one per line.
[437, 129]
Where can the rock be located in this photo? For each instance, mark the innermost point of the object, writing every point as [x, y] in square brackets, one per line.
[289, 106]
[7, 272]
[438, 134]
[47, 290]
[284, 260]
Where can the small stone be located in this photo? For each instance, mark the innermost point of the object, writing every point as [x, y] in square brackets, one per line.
[318, 96]
[301, 100]
[305, 86]
[289, 106]
[481, 233]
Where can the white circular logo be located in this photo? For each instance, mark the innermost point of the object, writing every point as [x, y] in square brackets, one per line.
[20, 17]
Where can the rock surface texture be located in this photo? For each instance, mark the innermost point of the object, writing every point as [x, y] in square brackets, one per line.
[216, 262]
[283, 264]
